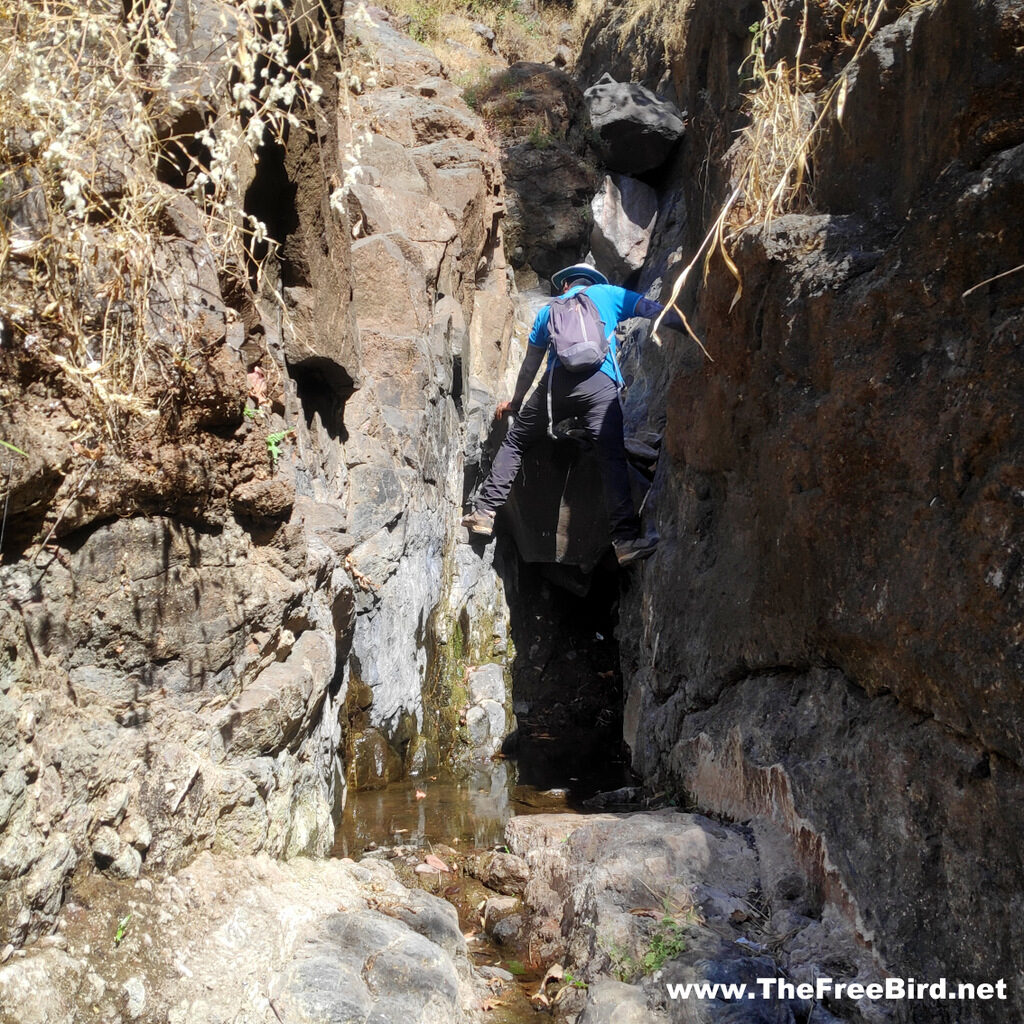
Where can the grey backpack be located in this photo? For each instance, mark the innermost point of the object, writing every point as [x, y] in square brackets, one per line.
[578, 339]
[577, 333]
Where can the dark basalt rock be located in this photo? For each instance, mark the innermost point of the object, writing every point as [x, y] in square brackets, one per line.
[637, 130]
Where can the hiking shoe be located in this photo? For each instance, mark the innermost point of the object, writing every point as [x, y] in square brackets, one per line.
[634, 550]
[481, 521]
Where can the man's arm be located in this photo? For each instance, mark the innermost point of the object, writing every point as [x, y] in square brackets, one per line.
[531, 363]
[650, 309]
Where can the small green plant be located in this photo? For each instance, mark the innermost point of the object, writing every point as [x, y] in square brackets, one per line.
[13, 448]
[274, 444]
[572, 980]
[624, 964]
[252, 414]
[515, 967]
[666, 943]
[540, 137]
[122, 929]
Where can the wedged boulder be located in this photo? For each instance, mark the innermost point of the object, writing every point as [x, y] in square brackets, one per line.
[624, 214]
[637, 131]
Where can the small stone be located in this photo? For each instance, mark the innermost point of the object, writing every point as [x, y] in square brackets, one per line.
[485, 32]
[496, 908]
[507, 931]
[134, 993]
[27, 724]
[478, 727]
[111, 807]
[500, 973]
[487, 683]
[95, 988]
[505, 872]
[114, 856]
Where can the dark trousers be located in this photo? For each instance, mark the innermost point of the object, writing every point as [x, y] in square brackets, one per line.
[595, 399]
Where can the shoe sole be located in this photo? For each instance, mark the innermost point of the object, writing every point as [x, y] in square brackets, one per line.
[635, 556]
[477, 528]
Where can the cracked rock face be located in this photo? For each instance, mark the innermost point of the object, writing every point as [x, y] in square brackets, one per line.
[174, 667]
[829, 634]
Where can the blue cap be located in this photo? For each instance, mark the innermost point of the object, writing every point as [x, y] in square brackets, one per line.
[577, 270]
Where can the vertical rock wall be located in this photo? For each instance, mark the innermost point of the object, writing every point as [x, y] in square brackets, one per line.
[829, 635]
[180, 662]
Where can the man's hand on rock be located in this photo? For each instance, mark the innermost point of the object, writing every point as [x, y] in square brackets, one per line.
[503, 410]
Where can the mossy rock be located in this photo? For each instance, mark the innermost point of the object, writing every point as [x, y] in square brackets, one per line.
[373, 762]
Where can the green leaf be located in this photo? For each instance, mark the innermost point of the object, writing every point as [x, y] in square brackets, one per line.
[14, 448]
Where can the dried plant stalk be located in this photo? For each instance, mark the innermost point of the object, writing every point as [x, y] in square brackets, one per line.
[82, 89]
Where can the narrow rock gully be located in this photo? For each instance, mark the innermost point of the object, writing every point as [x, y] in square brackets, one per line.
[564, 755]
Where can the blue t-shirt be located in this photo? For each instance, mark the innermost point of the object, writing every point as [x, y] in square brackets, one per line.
[614, 304]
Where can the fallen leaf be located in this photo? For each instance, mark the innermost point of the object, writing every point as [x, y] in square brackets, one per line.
[420, 794]
[436, 863]
[554, 973]
[90, 453]
[257, 385]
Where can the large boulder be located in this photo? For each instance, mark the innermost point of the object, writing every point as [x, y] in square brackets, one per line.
[637, 131]
[249, 938]
[624, 214]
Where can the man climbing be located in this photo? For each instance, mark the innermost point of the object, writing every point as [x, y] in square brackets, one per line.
[592, 396]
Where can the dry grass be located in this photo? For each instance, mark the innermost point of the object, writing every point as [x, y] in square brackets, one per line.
[517, 36]
[86, 94]
[787, 107]
[640, 23]
[777, 144]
